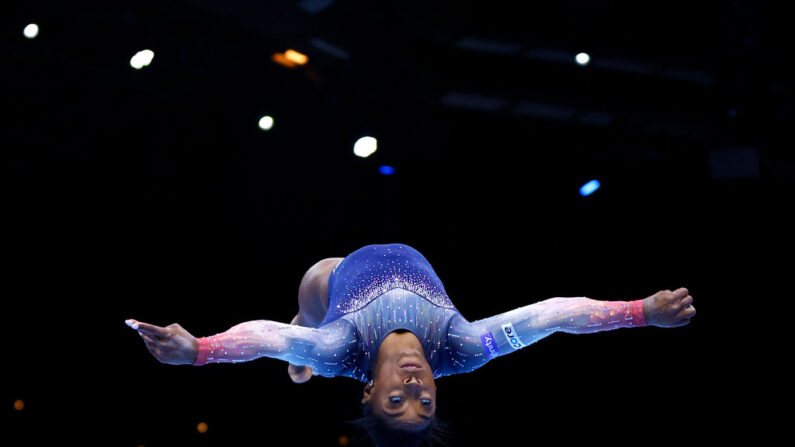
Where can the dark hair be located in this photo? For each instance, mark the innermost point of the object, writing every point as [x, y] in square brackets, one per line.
[383, 435]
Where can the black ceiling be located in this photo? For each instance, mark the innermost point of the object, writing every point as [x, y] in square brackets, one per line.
[152, 194]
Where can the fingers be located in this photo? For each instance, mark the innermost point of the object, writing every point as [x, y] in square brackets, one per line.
[681, 292]
[151, 346]
[300, 374]
[686, 312]
[154, 347]
[148, 340]
[149, 329]
[152, 330]
[155, 338]
[681, 323]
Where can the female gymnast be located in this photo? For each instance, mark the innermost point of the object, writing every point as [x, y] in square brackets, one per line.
[382, 316]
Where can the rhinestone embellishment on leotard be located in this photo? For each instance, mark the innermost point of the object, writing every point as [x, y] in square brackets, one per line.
[375, 276]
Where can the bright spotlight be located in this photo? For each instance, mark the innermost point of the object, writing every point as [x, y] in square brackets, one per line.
[589, 188]
[296, 57]
[31, 31]
[266, 123]
[365, 146]
[582, 58]
[141, 59]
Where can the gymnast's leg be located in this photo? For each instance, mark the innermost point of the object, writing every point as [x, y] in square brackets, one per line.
[312, 306]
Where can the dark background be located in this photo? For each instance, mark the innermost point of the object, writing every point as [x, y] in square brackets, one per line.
[152, 194]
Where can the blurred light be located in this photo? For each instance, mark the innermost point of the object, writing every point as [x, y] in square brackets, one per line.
[31, 31]
[365, 146]
[386, 170]
[281, 59]
[330, 49]
[266, 123]
[596, 118]
[732, 163]
[628, 66]
[314, 6]
[540, 109]
[549, 54]
[689, 75]
[142, 59]
[296, 57]
[486, 45]
[19, 405]
[344, 440]
[473, 101]
[589, 188]
[582, 58]
[201, 427]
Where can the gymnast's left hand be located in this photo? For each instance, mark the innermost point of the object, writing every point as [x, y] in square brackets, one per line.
[669, 308]
[172, 344]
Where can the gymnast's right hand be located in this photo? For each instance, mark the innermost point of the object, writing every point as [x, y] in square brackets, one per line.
[171, 344]
[300, 374]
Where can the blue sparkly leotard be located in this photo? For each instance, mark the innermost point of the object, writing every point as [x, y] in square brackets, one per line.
[379, 289]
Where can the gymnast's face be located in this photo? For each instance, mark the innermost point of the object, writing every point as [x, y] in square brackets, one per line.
[403, 392]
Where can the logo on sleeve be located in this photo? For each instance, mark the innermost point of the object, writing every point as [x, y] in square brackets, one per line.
[490, 345]
[512, 336]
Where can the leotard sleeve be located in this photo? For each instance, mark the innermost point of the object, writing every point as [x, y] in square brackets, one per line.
[329, 350]
[473, 344]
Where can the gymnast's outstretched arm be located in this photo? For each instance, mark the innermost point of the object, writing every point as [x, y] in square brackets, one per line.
[473, 344]
[320, 348]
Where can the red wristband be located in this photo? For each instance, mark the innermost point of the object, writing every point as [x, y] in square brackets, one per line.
[204, 349]
[636, 309]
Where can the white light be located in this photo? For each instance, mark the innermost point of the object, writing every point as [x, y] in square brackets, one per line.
[142, 59]
[31, 31]
[266, 123]
[365, 146]
[582, 58]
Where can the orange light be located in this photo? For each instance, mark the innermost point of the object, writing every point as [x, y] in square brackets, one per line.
[344, 440]
[298, 58]
[201, 427]
[281, 59]
[19, 405]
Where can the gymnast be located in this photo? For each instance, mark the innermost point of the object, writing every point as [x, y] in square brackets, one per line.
[381, 316]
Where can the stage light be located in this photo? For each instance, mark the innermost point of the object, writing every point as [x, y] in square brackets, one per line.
[589, 188]
[582, 58]
[386, 170]
[282, 60]
[142, 59]
[266, 123]
[365, 146]
[201, 427]
[19, 405]
[344, 440]
[296, 57]
[31, 31]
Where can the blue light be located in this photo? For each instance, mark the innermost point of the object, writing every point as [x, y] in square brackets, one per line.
[386, 170]
[589, 188]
